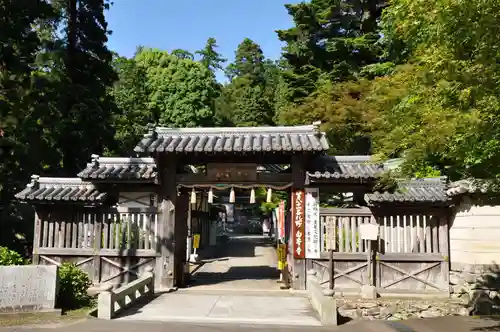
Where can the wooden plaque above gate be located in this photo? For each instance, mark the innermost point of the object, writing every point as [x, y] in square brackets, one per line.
[232, 172]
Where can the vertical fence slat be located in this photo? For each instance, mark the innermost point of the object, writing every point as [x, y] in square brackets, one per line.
[56, 233]
[68, 234]
[74, 231]
[105, 231]
[62, 234]
[435, 235]
[112, 230]
[51, 235]
[341, 231]
[45, 234]
[428, 236]
[147, 230]
[354, 233]
[421, 234]
[128, 229]
[393, 236]
[118, 231]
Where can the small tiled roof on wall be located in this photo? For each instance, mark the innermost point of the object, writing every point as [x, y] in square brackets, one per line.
[44, 189]
[114, 168]
[472, 186]
[235, 140]
[344, 168]
[430, 190]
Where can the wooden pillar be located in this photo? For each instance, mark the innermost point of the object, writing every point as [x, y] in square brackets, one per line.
[298, 278]
[37, 235]
[166, 242]
[444, 247]
[180, 237]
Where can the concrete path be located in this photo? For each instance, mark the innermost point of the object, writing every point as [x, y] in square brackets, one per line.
[242, 308]
[238, 286]
[439, 324]
[247, 262]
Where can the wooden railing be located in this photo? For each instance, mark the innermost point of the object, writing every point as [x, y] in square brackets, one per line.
[397, 234]
[409, 257]
[110, 230]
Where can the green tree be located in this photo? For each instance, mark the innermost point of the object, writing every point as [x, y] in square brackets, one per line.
[181, 91]
[448, 117]
[85, 75]
[183, 54]
[25, 145]
[131, 96]
[210, 58]
[248, 98]
[330, 37]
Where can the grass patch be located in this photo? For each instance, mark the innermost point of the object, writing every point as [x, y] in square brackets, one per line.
[43, 318]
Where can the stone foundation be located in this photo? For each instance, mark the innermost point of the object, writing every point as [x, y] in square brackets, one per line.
[397, 309]
[477, 286]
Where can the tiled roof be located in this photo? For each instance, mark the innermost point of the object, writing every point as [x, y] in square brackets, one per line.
[112, 168]
[60, 189]
[237, 139]
[472, 186]
[344, 168]
[431, 190]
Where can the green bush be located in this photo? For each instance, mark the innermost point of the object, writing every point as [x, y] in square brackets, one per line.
[10, 257]
[73, 286]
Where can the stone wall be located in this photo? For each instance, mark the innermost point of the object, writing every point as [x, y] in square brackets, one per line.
[397, 309]
[28, 288]
[478, 286]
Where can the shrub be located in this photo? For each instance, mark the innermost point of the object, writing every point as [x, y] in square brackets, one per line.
[73, 286]
[10, 257]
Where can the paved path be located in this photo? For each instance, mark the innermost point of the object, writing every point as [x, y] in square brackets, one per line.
[247, 262]
[241, 308]
[440, 324]
[238, 286]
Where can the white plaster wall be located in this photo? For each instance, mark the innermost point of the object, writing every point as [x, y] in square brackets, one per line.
[475, 234]
[136, 199]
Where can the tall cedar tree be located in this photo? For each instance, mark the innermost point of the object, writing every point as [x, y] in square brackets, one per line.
[335, 38]
[247, 98]
[87, 72]
[20, 133]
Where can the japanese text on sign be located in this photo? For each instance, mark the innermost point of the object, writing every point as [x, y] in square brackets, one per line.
[312, 226]
[298, 224]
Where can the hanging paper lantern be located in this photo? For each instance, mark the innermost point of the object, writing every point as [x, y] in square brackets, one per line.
[269, 195]
[210, 196]
[232, 197]
[193, 196]
[252, 196]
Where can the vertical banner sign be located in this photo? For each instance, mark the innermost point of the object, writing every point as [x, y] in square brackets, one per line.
[298, 223]
[281, 222]
[312, 227]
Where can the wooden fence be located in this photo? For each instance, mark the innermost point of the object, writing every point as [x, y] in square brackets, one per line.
[112, 245]
[410, 256]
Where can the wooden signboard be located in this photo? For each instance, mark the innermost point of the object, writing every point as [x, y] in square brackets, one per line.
[312, 226]
[232, 172]
[330, 233]
[298, 223]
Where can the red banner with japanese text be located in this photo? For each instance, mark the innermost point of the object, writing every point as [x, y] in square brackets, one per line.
[298, 223]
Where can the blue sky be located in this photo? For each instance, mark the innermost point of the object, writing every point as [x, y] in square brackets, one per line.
[187, 24]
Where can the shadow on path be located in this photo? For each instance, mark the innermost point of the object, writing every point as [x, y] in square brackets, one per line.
[241, 257]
